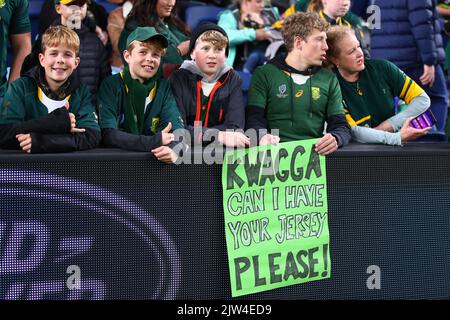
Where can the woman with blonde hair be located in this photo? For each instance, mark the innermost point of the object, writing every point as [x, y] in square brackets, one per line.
[368, 90]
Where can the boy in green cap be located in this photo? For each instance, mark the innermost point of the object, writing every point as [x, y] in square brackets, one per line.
[137, 110]
[48, 109]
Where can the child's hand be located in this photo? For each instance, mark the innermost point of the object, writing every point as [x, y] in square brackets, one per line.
[166, 136]
[269, 139]
[25, 141]
[165, 154]
[233, 139]
[73, 124]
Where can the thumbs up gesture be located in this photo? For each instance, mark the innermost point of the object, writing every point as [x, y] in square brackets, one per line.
[166, 136]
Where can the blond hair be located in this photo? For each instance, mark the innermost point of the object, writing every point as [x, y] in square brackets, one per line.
[216, 38]
[60, 36]
[301, 25]
[334, 36]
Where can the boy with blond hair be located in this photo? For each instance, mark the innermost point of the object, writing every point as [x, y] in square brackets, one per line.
[48, 109]
[208, 91]
[137, 110]
[94, 61]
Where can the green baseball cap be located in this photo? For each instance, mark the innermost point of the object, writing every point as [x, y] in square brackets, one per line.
[145, 33]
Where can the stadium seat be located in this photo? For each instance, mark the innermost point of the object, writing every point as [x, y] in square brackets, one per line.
[34, 9]
[197, 14]
[183, 5]
[108, 5]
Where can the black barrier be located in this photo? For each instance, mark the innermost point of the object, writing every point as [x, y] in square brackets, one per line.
[109, 224]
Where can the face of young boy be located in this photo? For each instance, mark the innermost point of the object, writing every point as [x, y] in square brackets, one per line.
[208, 58]
[143, 61]
[59, 63]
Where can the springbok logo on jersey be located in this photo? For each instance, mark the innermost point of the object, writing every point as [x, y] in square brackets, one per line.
[155, 124]
[2, 3]
[282, 91]
[315, 93]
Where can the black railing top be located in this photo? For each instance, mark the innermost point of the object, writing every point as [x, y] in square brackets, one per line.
[107, 154]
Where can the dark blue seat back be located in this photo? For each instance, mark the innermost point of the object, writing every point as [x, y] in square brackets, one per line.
[246, 78]
[34, 9]
[197, 14]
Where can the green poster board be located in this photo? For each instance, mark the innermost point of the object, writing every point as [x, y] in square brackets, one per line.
[276, 216]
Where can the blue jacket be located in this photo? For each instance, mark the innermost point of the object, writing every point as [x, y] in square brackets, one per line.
[410, 34]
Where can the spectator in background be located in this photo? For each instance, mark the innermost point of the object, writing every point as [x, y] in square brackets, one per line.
[369, 87]
[116, 23]
[410, 37]
[160, 15]
[247, 27]
[295, 95]
[208, 91]
[94, 62]
[95, 18]
[443, 9]
[48, 109]
[15, 28]
[99, 18]
[335, 12]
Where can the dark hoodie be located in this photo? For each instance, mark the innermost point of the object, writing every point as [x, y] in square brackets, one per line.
[23, 112]
[227, 108]
[299, 122]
